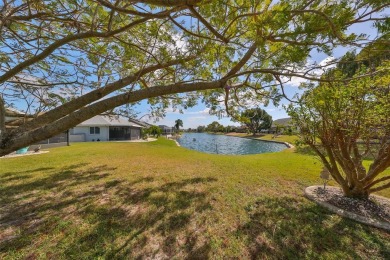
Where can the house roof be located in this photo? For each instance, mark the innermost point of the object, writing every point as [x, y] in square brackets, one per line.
[282, 122]
[165, 127]
[13, 112]
[108, 121]
[141, 123]
[15, 117]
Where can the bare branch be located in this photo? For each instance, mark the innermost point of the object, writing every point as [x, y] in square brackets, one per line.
[376, 182]
[385, 186]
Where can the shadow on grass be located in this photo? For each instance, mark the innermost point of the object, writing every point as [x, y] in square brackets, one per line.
[292, 228]
[82, 212]
[151, 221]
[28, 202]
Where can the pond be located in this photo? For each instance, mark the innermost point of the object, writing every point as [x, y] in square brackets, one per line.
[221, 144]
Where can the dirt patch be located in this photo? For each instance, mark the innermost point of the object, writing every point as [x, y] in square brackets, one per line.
[374, 211]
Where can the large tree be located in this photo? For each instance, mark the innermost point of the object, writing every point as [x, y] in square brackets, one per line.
[70, 60]
[178, 124]
[215, 127]
[256, 119]
[346, 122]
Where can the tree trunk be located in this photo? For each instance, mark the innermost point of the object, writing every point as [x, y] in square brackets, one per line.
[18, 138]
[2, 116]
[357, 192]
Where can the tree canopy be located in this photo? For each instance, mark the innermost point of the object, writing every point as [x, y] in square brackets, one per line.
[346, 123]
[65, 61]
[154, 131]
[256, 119]
[178, 124]
[215, 127]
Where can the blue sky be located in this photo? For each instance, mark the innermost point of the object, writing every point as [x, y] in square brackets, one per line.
[199, 115]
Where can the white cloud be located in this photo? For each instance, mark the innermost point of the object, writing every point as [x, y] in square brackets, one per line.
[205, 111]
[196, 118]
[170, 110]
[328, 62]
[316, 70]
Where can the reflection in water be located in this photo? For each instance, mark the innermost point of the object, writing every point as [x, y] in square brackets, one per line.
[221, 144]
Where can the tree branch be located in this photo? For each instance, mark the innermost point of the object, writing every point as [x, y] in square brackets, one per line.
[191, 33]
[21, 139]
[133, 12]
[207, 24]
[170, 2]
[385, 186]
[242, 62]
[376, 182]
[275, 71]
[51, 48]
[94, 95]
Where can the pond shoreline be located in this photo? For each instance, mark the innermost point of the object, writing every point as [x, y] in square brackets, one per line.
[258, 138]
[225, 145]
[290, 146]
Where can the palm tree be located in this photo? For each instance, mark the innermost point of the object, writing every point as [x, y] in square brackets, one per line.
[178, 124]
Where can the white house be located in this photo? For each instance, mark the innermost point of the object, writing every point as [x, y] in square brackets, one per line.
[166, 130]
[282, 125]
[105, 128]
[18, 117]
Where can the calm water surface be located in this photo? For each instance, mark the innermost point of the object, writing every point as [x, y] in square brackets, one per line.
[221, 144]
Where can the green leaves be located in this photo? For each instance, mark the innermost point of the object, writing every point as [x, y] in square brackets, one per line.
[255, 119]
[350, 118]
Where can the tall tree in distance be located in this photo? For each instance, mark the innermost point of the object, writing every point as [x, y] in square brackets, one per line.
[256, 119]
[178, 124]
[215, 127]
[62, 62]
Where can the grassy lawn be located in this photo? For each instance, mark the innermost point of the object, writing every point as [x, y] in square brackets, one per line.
[157, 200]
[281, 138]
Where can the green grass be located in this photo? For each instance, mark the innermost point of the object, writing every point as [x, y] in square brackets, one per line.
[281, 138]
[157, 200]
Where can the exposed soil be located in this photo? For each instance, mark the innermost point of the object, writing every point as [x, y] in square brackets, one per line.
[376, 207]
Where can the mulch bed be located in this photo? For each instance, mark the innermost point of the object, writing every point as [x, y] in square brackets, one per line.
[375, 208]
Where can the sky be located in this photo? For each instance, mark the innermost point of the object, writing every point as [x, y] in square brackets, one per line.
[199, 115]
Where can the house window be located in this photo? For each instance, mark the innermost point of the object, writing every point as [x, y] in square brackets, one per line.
[94, 130]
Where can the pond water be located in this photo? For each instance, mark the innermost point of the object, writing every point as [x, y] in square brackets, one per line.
[221, 144]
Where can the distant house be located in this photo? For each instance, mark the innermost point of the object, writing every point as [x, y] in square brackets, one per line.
[282, 125]
[166, 130]
[14, 118]
[106, 128]
[141, 123]
[13, 115]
